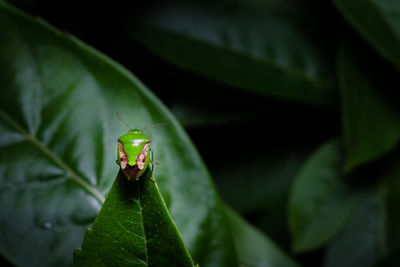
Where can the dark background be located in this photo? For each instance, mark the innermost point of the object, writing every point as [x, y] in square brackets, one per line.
[225, 124]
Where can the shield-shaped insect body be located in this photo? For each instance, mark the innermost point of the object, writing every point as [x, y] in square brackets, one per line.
[133, 153]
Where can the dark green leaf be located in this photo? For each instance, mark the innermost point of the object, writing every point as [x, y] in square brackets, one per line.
[320, 201]
[58, 133]
[246, 44]
[371, 236]
[378, 22]
[253, 247]
[133, 228]
[259, 186]
[370, 118]
[191, 116]
[267, 178]
[358, 244]
[188, 106]
[389, 191]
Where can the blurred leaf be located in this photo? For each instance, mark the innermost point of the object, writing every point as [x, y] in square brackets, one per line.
[133, 228]
[255, 179]
[389, 191]
[253, 248]
[270, 47]
[320, 201]
[259, 186]
[370, 118]
[372, 234]
[226, 106]
[191, 116]
[358, 244]
[58, 135]
[378, 22]
[267, 178]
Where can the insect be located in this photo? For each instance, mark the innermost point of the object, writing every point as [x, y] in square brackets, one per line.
[134, 152]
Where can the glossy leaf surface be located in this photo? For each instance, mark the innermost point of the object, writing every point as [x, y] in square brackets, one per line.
[58, 148]
[133, 228]
[246, 44]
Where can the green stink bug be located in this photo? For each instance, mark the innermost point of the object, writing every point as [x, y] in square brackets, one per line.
[133, 153]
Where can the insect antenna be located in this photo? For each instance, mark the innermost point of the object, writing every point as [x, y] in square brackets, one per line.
[121, 119]
[155, 125]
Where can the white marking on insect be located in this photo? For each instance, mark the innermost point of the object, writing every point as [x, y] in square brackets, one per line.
[137, 142]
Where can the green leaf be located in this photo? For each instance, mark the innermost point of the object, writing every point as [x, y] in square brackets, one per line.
[191, 116]
[133, 228]
[58, 139]
[378, 22]
[370, 118]
[259, 186]
[245, 44]
[253, 247]
[371, 236]
[267, 178]
[389, 193]
[320, 202]
[358, 244]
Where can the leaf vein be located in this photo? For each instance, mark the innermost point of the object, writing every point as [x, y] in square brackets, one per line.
[70, 172]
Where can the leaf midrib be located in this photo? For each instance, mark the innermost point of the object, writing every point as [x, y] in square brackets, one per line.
[71, 174]
[142, 224]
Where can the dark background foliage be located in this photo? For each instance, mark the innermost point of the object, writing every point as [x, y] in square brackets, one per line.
[255, 144]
